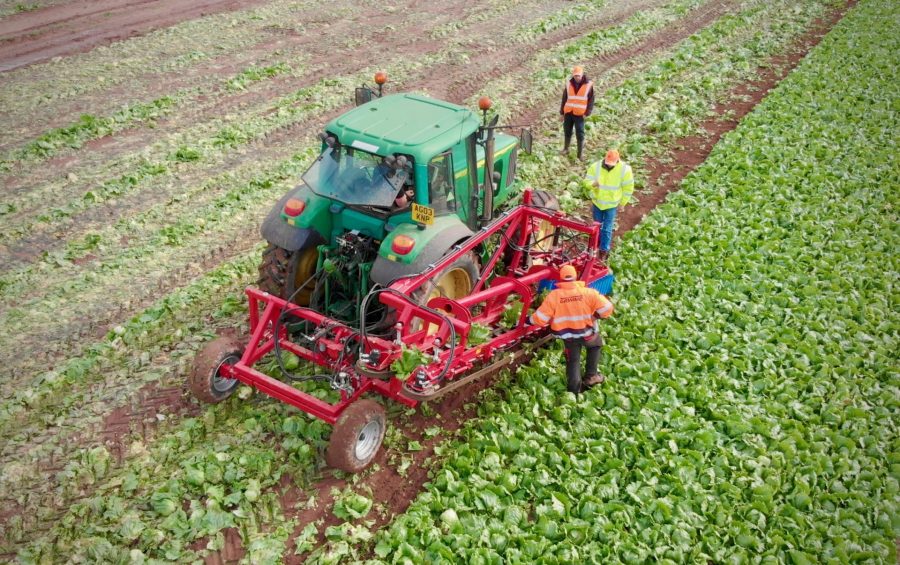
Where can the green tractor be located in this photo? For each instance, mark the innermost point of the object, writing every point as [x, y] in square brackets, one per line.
[399, 182]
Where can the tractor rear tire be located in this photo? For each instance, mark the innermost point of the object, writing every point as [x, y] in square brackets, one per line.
[454, 282]
[205, 382]
[282, 271]
[543, 199]
[540, 199]
[357, 436]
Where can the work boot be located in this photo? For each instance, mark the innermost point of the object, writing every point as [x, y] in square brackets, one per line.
[565, 149]
[580, 150]
[602, 256]
[592, 380]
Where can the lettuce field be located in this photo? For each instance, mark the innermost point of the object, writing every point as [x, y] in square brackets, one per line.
[752, 401]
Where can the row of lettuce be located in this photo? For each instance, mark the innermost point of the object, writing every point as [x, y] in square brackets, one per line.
[92, 474]
[131, 506]
[752, 413]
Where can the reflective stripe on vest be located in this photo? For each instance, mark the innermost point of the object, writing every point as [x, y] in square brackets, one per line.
[570, 308]
[607, 195]
[577, 102]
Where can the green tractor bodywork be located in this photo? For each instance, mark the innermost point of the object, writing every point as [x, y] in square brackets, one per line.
[399, 182]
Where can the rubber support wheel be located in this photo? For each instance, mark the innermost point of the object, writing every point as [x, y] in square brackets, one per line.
[205, 382]
[356, 436]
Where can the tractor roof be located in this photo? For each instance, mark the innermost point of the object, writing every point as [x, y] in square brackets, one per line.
[405, 123]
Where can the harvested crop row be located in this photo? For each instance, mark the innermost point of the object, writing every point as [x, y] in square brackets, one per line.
[135, 63]
[753, 409]
[27, 161]
[117, 272]
[268, 406]
[9, 7]
[191, 153]
[684, 101]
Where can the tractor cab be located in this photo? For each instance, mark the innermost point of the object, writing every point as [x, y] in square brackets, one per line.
[359, 179]
[400, 180]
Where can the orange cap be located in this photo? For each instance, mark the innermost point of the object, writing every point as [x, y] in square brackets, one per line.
[612, 157]
[567, 273]
[577, 70]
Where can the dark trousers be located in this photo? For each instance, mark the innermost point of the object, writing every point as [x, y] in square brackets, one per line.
[571, 121]
[573, 347]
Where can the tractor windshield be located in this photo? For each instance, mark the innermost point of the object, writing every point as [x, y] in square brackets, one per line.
[355, 177]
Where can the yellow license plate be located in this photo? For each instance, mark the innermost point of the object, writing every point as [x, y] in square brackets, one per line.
[422, 214]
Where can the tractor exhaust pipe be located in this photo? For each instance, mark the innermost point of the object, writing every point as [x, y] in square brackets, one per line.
[487, 213]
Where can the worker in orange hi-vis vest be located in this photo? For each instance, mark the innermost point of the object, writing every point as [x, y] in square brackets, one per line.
[570, 310]
[577, 104]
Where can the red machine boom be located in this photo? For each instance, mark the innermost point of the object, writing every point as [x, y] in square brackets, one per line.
[440, 329]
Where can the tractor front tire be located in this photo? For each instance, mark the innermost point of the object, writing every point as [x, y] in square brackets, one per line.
[357, 436]
[205, 381]
[282, 272]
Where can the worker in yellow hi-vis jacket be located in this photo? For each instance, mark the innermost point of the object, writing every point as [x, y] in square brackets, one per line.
[609, 183]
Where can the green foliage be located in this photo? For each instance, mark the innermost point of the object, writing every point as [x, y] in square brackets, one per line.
[256, 74]
[91, 127]
[351, 506]
[511, 315]
[576, 13]
[478, 334]
[409, 360]
[751, 414]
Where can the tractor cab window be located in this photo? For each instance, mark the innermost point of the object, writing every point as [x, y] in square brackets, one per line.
[355, 177]
[440, 184]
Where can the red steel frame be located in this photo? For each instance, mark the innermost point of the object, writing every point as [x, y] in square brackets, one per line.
[420, 327]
